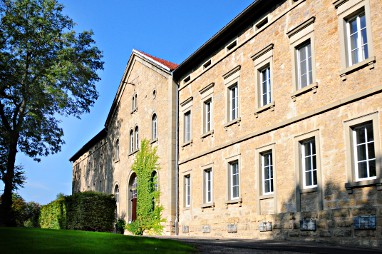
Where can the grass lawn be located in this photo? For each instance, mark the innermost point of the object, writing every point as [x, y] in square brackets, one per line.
[32, 240]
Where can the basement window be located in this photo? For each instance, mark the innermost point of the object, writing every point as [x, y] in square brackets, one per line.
[231, 46]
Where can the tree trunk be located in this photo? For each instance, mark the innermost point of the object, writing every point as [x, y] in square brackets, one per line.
[6, 209]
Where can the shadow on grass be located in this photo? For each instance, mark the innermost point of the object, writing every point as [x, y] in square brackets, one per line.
[28, 240]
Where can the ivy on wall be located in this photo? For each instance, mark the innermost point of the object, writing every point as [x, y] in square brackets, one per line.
[148, 208]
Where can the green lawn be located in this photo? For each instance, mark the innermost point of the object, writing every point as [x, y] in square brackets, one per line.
[30, 240]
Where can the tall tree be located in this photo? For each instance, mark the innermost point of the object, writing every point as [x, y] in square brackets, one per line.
[46, 69]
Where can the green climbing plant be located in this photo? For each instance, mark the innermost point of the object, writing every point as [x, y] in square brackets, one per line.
[148, 208]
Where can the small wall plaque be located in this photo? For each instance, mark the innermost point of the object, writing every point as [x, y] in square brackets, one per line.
[365, 222]
[232, 228]
[206, 229]
[308, 225]
[265, 226]
[185, 229]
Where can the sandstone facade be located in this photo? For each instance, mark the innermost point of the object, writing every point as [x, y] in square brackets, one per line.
[279, 127]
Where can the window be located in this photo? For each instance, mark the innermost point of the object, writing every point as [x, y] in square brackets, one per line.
[207, 186]
[187, 127]
[357, 38]
[117, 150]
[233, 102]
[364, 152]
[308, 163]
[131, 141]
[267, 172]
[234, 180]
[362, 149]
[304, 70]
[187, 191]
[231, 46]
[207, 116]
[207, 64]
[116, 194]
[304, 64]
[154, 127]
[134, 102]
[355, 35]
[136, 139]
[265, 85]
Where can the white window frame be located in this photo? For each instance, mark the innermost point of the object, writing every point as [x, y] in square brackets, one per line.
[362, 54]
[132, 144]
[232, 185]
[308, 64]
[233, 94]
[208, 186]
[154, 127]
[134, 102]
[187, 191]
[313, 169]
[117, 150]
[136, 132]
[187, 126]
[355, 144]
[266, 70]
[207, 115]
[266, 168]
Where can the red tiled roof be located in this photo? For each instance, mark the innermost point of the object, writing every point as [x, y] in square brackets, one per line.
[170, 65]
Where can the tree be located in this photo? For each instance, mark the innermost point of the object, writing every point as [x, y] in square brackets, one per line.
[46, 70]
[148, 209]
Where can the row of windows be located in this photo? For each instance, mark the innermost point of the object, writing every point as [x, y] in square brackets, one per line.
[356, 50]
[134, 137]
[363, 166]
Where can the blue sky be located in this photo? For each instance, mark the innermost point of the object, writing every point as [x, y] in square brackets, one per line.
[171, 30]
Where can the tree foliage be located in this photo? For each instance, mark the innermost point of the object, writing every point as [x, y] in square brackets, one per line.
[148, 208]
[46, 69]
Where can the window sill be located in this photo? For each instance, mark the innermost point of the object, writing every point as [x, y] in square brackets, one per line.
[134, 110]
[208, 205]
[187, 143]
[133, 152]
[367, 62]
[211, 132]
[236, 121]
[352, 185]
[269, 106]
[312, 87]
[309, 190]
[153, 141]
[267, 196]
[234, 201]
[116, 160]
[186, 208]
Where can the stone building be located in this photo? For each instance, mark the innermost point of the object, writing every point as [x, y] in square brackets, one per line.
[279, 127]
[144, 107]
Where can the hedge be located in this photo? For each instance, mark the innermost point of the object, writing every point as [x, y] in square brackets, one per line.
[91, 211]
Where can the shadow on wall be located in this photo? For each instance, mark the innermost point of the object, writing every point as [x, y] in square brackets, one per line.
[339, 217]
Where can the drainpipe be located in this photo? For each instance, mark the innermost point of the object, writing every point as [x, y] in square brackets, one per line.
[177, 161]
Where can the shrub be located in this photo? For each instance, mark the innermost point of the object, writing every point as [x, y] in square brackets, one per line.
[54, 215]
[120, 226]
[91, 211]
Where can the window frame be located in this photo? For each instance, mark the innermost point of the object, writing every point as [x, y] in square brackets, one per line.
[265, 192]
[345, 11]
[207, 125]
[116, 158]
[263, 60]
[187, 190]
[298, 36]
[352, 180]
[187, 130]
[207, 172]
[231, 80]
[132, 144]
[136, 136]
[230, 184]
[154, 127]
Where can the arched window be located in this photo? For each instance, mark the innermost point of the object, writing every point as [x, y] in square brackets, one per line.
[154, 127]
[136, 138]
[132, 198]
[117, 149]
[116, 193]
[131, 141]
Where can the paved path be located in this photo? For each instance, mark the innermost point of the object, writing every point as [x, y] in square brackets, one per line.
[256, 246]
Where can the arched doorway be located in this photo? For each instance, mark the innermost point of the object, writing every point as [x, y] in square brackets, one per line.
[133, 197]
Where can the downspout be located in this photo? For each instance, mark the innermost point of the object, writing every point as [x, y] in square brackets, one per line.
[177, 161]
